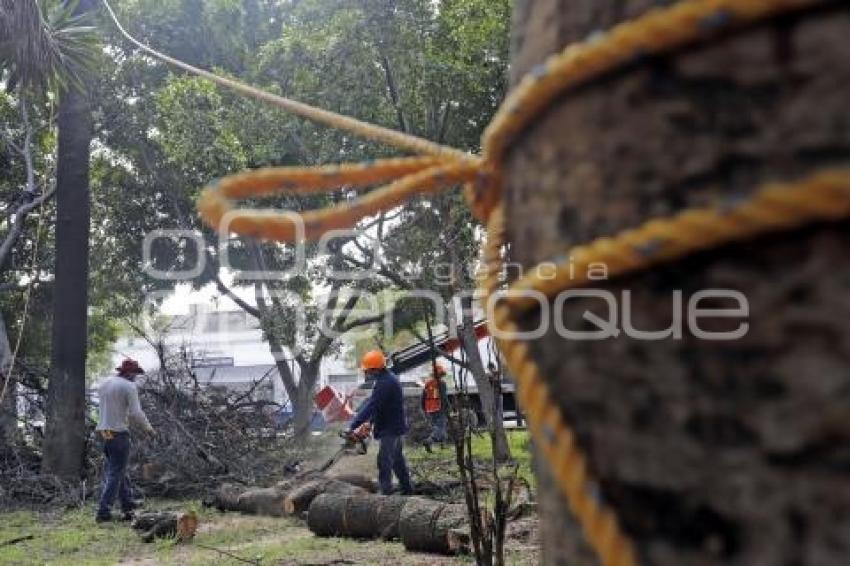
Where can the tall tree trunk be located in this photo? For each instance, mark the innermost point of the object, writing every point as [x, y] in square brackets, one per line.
[492, 407]
[711, 452]
[299, 391]
[302, 403]
[9, 405]
[65, 434]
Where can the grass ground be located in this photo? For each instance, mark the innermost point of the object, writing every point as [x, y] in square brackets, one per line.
[72, 538]
[421, 461]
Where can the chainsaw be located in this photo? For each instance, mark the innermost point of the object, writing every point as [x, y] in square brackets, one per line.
[355, 442]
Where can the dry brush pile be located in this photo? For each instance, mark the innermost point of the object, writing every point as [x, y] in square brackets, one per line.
[22, 481]
[204, 437]
[208, 436]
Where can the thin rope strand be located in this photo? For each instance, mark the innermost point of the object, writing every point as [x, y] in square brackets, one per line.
[334, 120]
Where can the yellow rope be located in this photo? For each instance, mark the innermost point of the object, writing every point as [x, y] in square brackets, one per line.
[417, 175]
[332, 119]
[824, 196]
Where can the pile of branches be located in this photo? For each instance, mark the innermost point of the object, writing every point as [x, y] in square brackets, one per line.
[206, 437]
[23, 484]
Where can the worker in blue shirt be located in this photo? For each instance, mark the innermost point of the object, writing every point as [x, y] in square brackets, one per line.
[385, 410]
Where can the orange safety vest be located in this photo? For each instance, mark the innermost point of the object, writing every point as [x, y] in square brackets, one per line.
[432, 396]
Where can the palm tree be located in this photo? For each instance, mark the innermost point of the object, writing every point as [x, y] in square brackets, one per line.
[44, 50]
[50, 51]
[711, 452]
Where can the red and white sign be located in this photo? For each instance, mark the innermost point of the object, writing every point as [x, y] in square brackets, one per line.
[333, 405]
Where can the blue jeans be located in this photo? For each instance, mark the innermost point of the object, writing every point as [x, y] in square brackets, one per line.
[115, 480]
[391, 459]
[439, 422]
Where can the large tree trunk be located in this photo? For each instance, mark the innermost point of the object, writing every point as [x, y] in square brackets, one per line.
[298, 499]
[9, 403]
[490, 403]
[711, 452]
[356, 516]
[299, 392]
[65, 434]
[432, 526]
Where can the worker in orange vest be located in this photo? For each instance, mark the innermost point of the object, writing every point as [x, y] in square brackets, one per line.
[435, 404]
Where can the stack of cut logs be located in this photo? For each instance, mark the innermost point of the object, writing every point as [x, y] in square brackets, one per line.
[347, 506]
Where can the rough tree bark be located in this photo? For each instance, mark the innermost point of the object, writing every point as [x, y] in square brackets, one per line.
[431, 526]
[712, 452]
[9, 404]
[166, 524]
[65, 434]
[492, 407]
[298, 499]
[302, 401]
[356, 516]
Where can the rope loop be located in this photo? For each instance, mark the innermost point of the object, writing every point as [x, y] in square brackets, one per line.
[413, 176]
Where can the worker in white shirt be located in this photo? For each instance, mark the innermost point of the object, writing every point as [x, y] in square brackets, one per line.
[119, 404]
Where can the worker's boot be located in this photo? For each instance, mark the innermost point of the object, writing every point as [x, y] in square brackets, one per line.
[427, 445]
[99, 518]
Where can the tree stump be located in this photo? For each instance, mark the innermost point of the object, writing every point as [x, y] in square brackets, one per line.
[711, 452]
[166, 524]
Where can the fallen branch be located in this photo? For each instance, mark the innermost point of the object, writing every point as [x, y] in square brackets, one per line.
[229, 554]
[16, 540]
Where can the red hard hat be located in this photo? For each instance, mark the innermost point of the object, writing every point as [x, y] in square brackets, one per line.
[373, 359]
[129, 367]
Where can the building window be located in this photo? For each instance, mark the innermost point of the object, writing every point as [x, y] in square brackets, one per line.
[342, 378]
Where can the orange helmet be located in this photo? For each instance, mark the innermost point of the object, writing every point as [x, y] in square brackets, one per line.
[373, 359]
[439, 370]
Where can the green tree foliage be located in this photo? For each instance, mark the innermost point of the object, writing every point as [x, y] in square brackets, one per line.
[436, 69]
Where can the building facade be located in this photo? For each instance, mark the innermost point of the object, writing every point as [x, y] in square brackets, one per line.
[226, 349]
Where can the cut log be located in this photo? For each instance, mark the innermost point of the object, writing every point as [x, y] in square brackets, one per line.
[367, 483]
[524, 509]
[388, 515]
[166, 524]
[459, 541]
[266, 501]
[430, 526]
[226, 497]
[356, 516]
[298, 500]
[271, 501]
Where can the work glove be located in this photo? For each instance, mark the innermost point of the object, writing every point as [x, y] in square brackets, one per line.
[362, 431]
